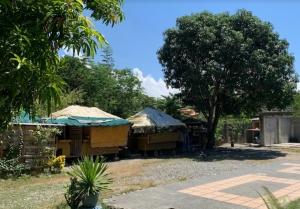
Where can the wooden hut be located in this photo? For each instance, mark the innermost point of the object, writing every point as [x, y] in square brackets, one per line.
[19, 137]
[155, 130]
[89, 131]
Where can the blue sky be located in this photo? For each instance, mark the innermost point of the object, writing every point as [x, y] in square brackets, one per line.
[136, 39]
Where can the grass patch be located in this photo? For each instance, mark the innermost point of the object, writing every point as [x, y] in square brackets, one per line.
[292, 150]
[47, 191]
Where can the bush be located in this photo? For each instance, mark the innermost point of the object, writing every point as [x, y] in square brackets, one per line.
[56, 164]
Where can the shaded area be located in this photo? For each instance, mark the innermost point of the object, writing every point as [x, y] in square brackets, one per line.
[255, 153]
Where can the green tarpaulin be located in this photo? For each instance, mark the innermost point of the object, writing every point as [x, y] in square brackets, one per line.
[88, 121]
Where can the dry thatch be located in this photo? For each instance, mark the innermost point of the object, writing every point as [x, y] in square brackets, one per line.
[75, 110]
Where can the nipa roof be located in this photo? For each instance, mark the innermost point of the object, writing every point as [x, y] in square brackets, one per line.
[76, 110]
[150, 117]
[85, 116]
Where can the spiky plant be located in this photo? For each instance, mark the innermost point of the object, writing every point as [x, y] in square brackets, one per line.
[91, 176]
[273, 202]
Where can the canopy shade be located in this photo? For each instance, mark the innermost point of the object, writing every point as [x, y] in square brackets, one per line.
[150, 117]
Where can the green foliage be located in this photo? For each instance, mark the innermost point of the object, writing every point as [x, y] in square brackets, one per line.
[219, 134]
[72, 197]
[91, 176]
[279, 203]
[10, 166]
[115, 91]
[236, 124]
[33, 32]
[171, 105]
[296, 105]
[66, 98]
[228, 64]
[44, 150]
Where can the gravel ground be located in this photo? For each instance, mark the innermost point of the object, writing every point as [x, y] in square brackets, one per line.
[191, 165]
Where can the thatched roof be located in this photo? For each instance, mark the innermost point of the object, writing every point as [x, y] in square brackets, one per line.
[76, 110]
[85, 116]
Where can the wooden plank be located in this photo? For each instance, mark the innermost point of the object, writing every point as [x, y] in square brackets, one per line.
[75, 134]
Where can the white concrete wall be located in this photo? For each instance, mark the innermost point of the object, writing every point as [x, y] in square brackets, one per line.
[270, 133]
[284, 129]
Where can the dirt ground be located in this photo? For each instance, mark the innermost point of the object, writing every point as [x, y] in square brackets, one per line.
[47, 191]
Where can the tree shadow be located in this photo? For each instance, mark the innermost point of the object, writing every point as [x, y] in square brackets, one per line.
[223, 153]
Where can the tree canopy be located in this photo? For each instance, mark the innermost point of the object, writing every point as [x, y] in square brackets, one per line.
[117, 91]
[228, 64]
[33, 32]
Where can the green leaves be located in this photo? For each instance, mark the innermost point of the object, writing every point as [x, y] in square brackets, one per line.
[91, 176]
[272, 202]
[32, 34]
[228, 64]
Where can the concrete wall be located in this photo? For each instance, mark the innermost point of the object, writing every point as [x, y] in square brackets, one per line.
[297, 129]
[269, 133]
[278, 127]
[285, 129]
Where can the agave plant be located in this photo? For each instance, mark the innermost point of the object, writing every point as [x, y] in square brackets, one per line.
[279, 203]
[91, 176]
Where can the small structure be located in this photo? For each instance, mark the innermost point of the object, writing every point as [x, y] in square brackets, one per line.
[196, 132]
[275, 127]
[19, 133]
[253, 132]
[89, 131]
[278, 127]
[157, 130]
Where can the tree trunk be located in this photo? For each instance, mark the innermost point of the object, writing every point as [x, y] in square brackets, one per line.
[211, 129]
[212, 121]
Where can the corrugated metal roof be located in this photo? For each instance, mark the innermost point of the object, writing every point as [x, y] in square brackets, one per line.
[150, 117]
[88, 121]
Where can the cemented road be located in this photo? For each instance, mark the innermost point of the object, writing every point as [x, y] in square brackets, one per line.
[234, 189]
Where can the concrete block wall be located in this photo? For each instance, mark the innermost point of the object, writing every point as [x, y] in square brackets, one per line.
[278, 127]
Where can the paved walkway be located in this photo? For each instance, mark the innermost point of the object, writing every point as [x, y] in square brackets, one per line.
[233, 189]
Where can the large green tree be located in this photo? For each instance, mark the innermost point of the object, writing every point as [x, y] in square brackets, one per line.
[32, 33]
[97, 84]
[228, 64]
[170, 104]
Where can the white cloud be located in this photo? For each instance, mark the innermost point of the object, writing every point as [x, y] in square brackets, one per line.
[152, 87]
[80, 55]
[298, 86]
[70, 53]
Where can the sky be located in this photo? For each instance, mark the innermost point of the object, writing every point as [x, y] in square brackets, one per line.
[136, 40]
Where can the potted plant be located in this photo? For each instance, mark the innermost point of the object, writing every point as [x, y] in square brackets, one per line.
[90, 181]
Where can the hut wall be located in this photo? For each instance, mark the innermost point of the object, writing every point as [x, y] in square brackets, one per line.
[164, 137]
[158, 141]
[63, 147]
[111, 136]
[30, 149]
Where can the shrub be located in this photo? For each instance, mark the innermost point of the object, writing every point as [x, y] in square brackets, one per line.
[56, 164]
